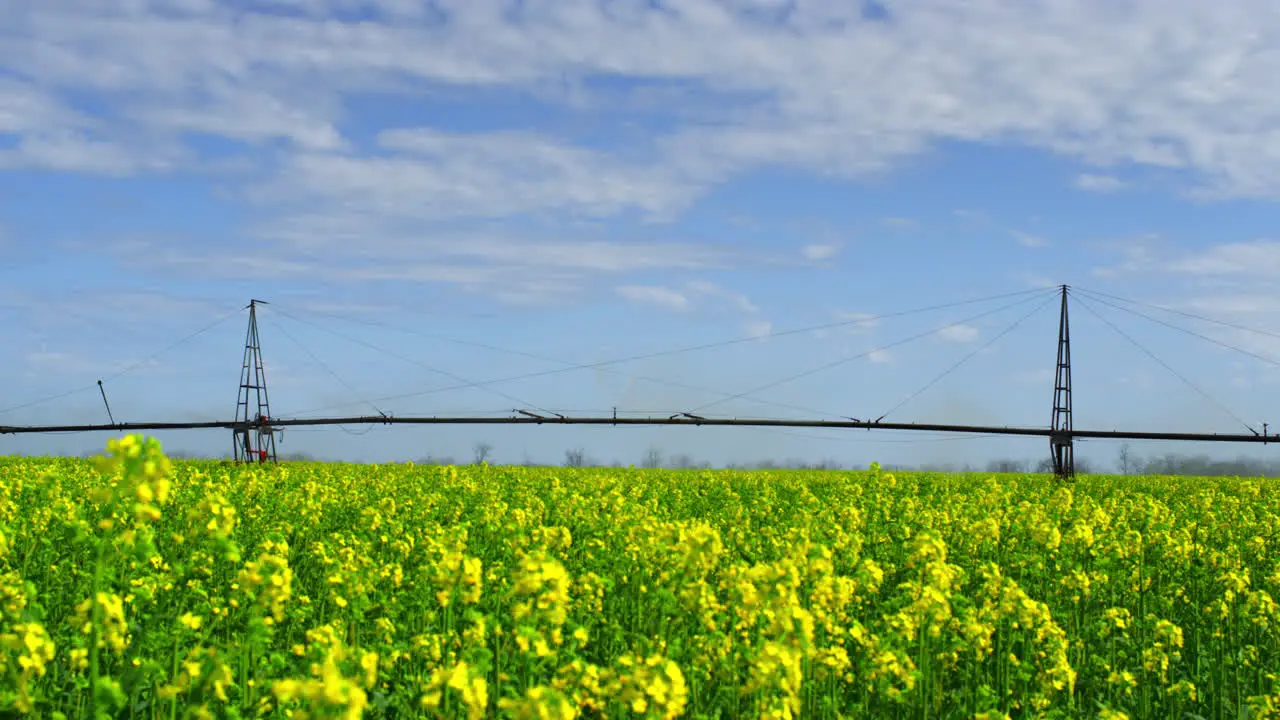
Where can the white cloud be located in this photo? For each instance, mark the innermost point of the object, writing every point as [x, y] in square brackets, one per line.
[1029, 241]
[48, 134]
[1137, 253]
[440, 176]
[1240, 262]
[880, 357]
[661, 296]
[1258, 258]
[959, 333]
[694, 292]
[820, 251]
[345, 196]
[528, 271]
[250, 115]
[759, 329]
[26, 108]
[1095, 182]
[734, 299]
[1239, 304]
[1170, 84]
[79, 152]
[1232, 282]
[900, 222]
[856, 322]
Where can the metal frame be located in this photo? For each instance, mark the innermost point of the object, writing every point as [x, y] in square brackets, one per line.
[1061, 441]
[253, 407]
[253, 419]
[1262, 439]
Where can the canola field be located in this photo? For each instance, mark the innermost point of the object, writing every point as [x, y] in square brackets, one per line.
[131, 587]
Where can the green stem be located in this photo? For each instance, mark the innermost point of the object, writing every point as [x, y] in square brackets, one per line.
[173, 674]
[93, 630]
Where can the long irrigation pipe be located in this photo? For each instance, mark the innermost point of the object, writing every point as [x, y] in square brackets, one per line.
[530, 419]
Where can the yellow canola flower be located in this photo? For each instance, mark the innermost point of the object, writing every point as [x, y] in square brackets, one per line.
[329, 691]
[539, 703]
[369, 663]
[471, 687]
[34, 650]
[113, 633]
[654, 686]
[203, 668]
[858, 592]
[268, 580]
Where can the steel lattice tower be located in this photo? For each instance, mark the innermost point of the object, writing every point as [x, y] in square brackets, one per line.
[254, 439]
[1061, 442]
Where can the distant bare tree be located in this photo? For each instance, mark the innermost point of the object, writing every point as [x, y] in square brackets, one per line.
[1125, 459]
[575, 458]
[1005, 465]
[828, 464]
[652, 458]
[433, 460]
[482, 450]
[683, 461]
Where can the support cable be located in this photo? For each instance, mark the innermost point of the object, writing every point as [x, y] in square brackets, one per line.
[465, 383]
[1165, 365]
[968, 357]
[127, 369]
[704, 346]
[1193, 333]
[693, 348]
[571, 366]
[842, 361]
[326, 368]
[357, 433]
[574, 366]
[1178, 312]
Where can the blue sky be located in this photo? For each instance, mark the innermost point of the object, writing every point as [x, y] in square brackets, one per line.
[584, 180]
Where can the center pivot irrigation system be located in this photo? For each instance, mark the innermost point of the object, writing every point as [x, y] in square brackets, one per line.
[254, 429]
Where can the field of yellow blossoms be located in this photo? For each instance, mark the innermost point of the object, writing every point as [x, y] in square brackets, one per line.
[135, 588]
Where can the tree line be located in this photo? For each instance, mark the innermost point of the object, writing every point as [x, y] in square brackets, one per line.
[1126, 463]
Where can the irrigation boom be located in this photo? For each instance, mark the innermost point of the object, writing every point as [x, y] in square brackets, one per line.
[254, 428]
[531, 419]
